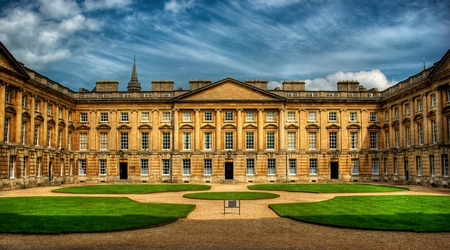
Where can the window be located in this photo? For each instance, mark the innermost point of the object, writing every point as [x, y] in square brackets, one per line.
[103, 116]
[386, 166]
[11, 167]
[419, 166]
[229, 140]
[38, 166]
[144, 166]
[83, 141]
[333, 140]
[419, 105]
[186, 140]
[311, 116]
[291, 116]
[332, 116]
[408, 136]
[353, 117]
[69, 116]
[355, 166]
[102, 164]
[6, 129]
[187, 117]
[375, 166]
[445, 165]
[249, 141]
[166, 116]
[103, 141]
[291, 141]
[396, 112]
[270, 140]
[313, 166]
[83, 117]
[207, 166]
[123, 140]
[353, 140]
[7, 95]
[59, 138]
[144, 140]
[36, 134]
[207, 141]
[432, 168]
[271, 166]
[448, 95]
[60, 113]
[49, 109]
[24, 101]
[124, 116]
[373, 140]
[165, 167]
[37, 105]
[373, 116]
[250, 167]
[407, 109]
[434, 131]
[312, 140]
[165, 140]
[292, 166]
[49, 137]
[22, 132]
[82, 167]
[69, 141]
[395, 166]
[433, 100]
[397, 139]
[207, 116]
[249, 116]
[228, 116]
[270, 116]
[186, 166]
[145, 116]
[386, 115]
[386, 134]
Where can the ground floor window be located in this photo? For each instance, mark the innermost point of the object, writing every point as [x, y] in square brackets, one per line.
[271, 166]
[11, 167]
[186, 167]
[395, 166]
[38, 167]
[375, 166]
[418, 166]
[165, 167]
[445, 165]
[102, 163]
[144, 166]
[386, 166]
[313, 166]
[82, 167]
[355, 166]
[292, 166]
[207, 166]
[432, 169]
[250, 167]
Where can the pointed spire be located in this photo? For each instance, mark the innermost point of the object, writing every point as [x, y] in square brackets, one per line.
[134, 85]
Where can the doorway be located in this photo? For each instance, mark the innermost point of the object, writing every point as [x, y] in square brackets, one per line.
[406, 170]
[334, 170]
[123, 171]
[50, 166]
[229, 171]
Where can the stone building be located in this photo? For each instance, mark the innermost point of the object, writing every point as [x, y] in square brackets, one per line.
[224, 131]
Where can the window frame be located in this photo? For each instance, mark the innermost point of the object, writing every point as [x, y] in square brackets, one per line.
[104, 116]
[332, 116]
[124, 117]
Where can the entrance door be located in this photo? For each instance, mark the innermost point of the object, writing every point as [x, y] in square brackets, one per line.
[334, 170]
[406, 170]
[50, 166]
[229, 174]
[123, 170]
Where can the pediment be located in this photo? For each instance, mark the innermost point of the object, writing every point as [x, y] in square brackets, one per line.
[103, 127]
[395, 123]
[61, 124]
[333, 126]
[418, 117]
[442, 65]
[250, 126]
[51, 122]
[353, 126]
[386, 126]
[208, 126]
[165, 126]
[312, 126]
[406, 120]
[271, 126]
[446, 110]
[229, 126]
[10, 110]
[123, 127]
[432, 113]
[71, 127]
[26, 116]
[229, 89]
[187, 126]
[8, 62]
[83, 127]
[145, 126]
[374, 127]
[292, 126]
[39, 118]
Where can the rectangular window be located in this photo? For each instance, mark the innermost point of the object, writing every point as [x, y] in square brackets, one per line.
[291, 141]
[313, 166]
[11, 167]
[292, 166]
[186, 166]
[83, 141]
[396, 112]
[60, 113]
[166, 117]
[270, 116]
[7, 95]
[353, 140]
[250, 167]
[38, 166]
[434, 131]
[69, 116]
[124, 116]
[249, 141]
[387, 138]
[353, 116]
[49, 137]
[102, 164]
[103, 141]
[6, 129]
[373, 116]
[433, 100]
[386, 166]
[36, 134]
[124, 141]
[144, 166]
[22, 132]
[419, 105]
[24, 101]
[375, 166]
[59, 138]
[291, 116]
[386, 115]
[145, 116]
[207, 141]
[69, 141]
[407, 109]
[228, 116]
[165, 140]
[408, 136]
[165, 167]
[37, 105]
[207, 166]
[311, 116]
[49, 109]
[355, 166]
[395, 166]
[419, 166]
[103, 116]
[82, 167]
[333, 140]
[207, 116]
[432, 168]
[397, 139]
[312, 140]
[332, 116]
[229, 140]
[186, 140]
[144, 140]
[445, 165]
[83, 117]
[373, 140]
[187, 117]
[271, 166]
[249, 116]
[420, 133]
[270, 140]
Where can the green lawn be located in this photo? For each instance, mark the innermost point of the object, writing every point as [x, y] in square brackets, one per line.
[83, 214]
[327, 188]
[231, 195]
[131, 188]
[393, 212]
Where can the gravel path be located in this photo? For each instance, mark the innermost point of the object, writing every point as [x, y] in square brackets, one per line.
[257, 227]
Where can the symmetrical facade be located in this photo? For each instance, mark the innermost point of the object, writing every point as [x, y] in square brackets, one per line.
[225, 131]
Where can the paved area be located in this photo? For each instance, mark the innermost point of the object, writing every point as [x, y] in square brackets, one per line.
[257, 227]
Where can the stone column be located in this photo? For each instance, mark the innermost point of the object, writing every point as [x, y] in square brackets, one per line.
[155, 131]
[2, 109]
[282, 130]
[260, 130]
[239, 130]
[218, 136]
[439, 121]
[197, 145]
[175, 131]
[425, 122]
[18, 120]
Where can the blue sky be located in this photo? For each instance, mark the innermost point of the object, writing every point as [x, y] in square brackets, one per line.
[77, 42]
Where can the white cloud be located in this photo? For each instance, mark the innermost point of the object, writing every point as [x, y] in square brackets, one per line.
[91, 5]
[175, 6]
[58, 9]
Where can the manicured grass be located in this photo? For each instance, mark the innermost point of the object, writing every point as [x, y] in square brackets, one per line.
[83, 214]
[131, 188]
[231, 195]
[393, 212]
[327, 188]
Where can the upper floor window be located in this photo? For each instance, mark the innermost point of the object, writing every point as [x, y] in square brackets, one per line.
[448, 95]
[373, 116]
[186, 141]
[333, 140]
[249, 141]
[187, 117]
[312, 140]
[332, 116]
[24, 101]
[433, 100]
[124, 116]
[386, 115]
[373, 140]
[228, 140]
[353, 140]
[60, 113]
[145, 116]
[144, 140]
[83, 117]
[292, 141]
[69, 116]
[228, 116]
[419, 105]
[37, 105]
[7, 95]
[396, 112]
[270, 140]
[83, 141]
[49, 109]
[353, 116]
[407, 109]
[165, 140]
[103, 141]
[166, 116]
[207, 116]
[124, 141]
[103, 116]
[270, 116]
[291, 116]
[311, 116]
[249, 116]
